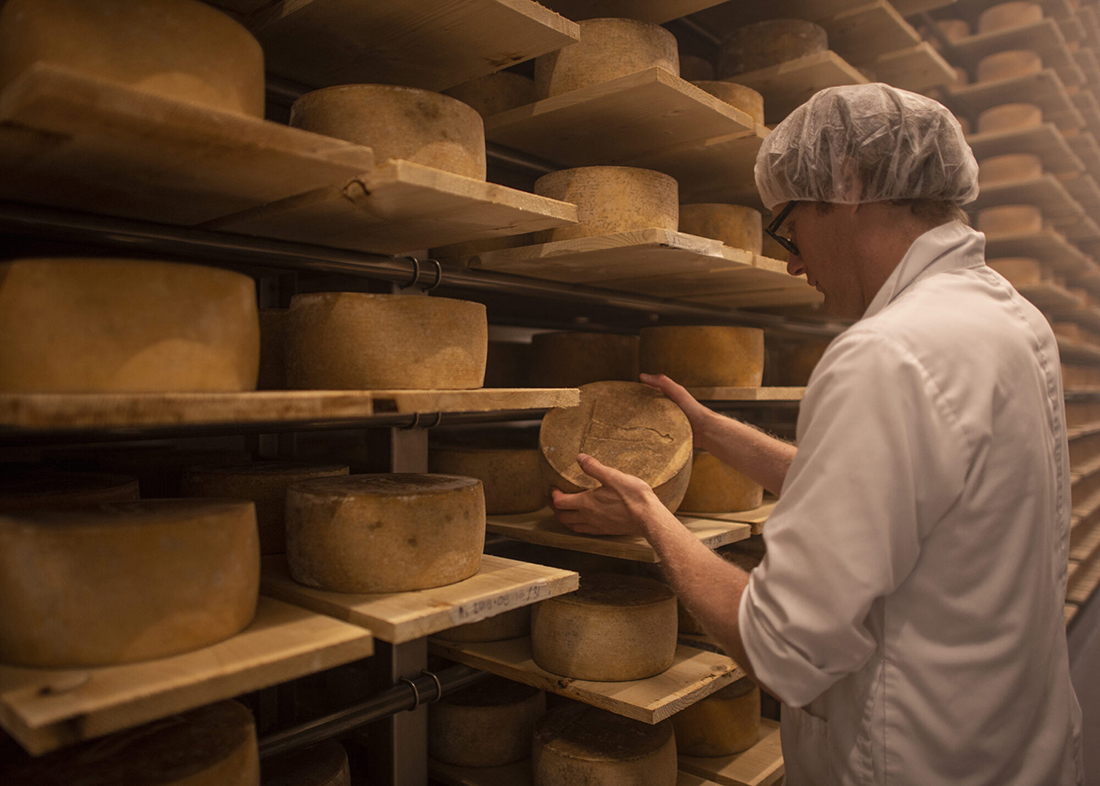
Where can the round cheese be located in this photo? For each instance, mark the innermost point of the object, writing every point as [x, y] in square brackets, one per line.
[213, 745]
[359, 341]
[1008, 15]
[608, 49]
[1010, 168]
[739, 96]
[489, 724]
[1008, 65]
[704, 356]
[272, 374]
[45, 488]
[323, 764]
[126, 582]
[954, 29]
[569, 360]
[1010, 220]
[769, 43]
[722, 724]
[384, 533]
[577, 744]
[716, 487]
[734, 225]
[507, 364]
[158, 468]
[790, 364]
[1020, 271]
[696, 69]
[398, 122]
[264, 483]
[511, 477]
[611, 199]
[181, 49]
[495, 93]
[614, 628]
[125, 326]
[512, 624]
[625, 425]
[1010, 117]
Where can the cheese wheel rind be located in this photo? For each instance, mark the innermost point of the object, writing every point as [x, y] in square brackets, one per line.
[1020, 271]
[722, 724]
[695, 69]
[704, 355]
[736, 226]
[1009, 168]
[489, 724]
[46, 488]
[1010, 219]
[1009, 64]
[272, 375]
[741, 97]
[512, 624]
[611, 199]
[769, 43]
[495, 93]
[323, 764]
[1006, 16]
[569, 360]
[715, 487]
[1010, 116]
[511, 477]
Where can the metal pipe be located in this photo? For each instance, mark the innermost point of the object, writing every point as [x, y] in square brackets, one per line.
[700, 31]
[506, 155]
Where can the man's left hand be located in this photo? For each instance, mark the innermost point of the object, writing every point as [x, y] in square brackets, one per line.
[618, 507]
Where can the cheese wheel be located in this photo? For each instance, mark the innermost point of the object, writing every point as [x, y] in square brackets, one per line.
[954, 29]
[158, 468]
[513, 624]
[125, 326]
[398, 122]
[613, 628]
[323, 764]
[610, 199]
[790, 364]
[359, 341]
[1010, 220]
[722, 724]
[1010, 117]
[739, 96]
[716, 487]
[625, 425]
[769, 43]
[213, 745]
[695, 69]
[181, 49]
[1020, 271]
[495, 93]
[1009, 15]
[45, 488]
[264, 483]
[608, 49]
[734, 225]
[569, 360]
[272, 374]
[126, 582]
[1008, 65]
[507, 364]
[384, 533]
[489, 724]
[511, 477]
[1010, 168]
[577, 744]
[704, 356]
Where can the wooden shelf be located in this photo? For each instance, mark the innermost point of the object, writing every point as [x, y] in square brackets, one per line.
[1048, 296]
[694, 675]
[1090, 67]
[541, 528]
[756, 517]
[787, 85]
[518, 774]
[868, 31]
[1085, 581]
[501, 584]
[67, 140]
[1085, 538]
[747, 394]
[1071, 612]
[1085, 147]
[1048, 246]
[1044, 37]
[1044, 89]
[656, 11]
[915, 68]
[760, 765]
[45, 709]
[1084, 190]
[1089, 108]
[433, 44]
[1043, 140]
[1089, 317]
[1072, 352]
[723, 19]
[1045, 191]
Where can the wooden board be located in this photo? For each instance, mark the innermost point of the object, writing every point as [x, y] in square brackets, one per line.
[501, 584]
[45, 709]
[725, 18]
[1085, 539]
[916, 68]
[794, 293]
[760, 765]
[1083, 188]
[1044, 37]
[67, 140]
[1049, 296]
[518, 774]
[1085, 582]
[656, 11]
[694, 674]
[748, 394]
[787, 85]
[863, 34]
[1084, 147]
[433, 44]
[1071, 612]
[1045, 89]
[1045, 191]
[1043, 140]
[1050, 246]
[1086, 104]
[1090, 67]
[756, 517]
[1075, 352]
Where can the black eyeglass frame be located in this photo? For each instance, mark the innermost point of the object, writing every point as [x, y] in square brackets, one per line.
[773, 228]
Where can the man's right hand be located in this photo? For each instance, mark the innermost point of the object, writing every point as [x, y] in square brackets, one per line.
[698, 416]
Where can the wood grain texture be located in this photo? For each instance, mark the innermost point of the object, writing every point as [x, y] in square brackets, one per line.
[1048, 295]
[760, 765]
[1043, 140]
[787, 85]
[748, 394]
[1045, 191]
[755, 517]
[1044, 37]
[866, 32]
[915, 68]
[1049, 245]
[1044, 89]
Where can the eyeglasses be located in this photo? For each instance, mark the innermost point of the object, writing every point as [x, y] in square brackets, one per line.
[773, 229]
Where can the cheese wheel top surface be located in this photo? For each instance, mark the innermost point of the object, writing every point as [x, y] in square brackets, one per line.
[769, 43]
[612, 589]
[48, 489]
[582, 732]
[491, 692]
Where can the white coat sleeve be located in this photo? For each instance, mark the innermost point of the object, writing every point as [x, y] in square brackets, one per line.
[880, 461]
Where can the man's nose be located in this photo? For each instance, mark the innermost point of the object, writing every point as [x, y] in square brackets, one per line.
[794, 265]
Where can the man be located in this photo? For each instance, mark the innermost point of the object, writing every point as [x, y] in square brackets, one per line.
[908, 612]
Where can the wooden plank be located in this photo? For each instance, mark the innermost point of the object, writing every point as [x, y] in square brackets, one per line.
[1043, 140]
[1084, 147]
[863, 34]
[71, 141]
[756, 517]
[911, 7]
[656, 11]
[791, 295]
[1048, 295]
[694, 674]
[916, 68]
[1075, 352]
[760, 765]
[1044, 88]
[1085, 582]
[1090, 67]
[1086, 104]
[433, 44]
[787, 85]
[1046, 191]
[725, 18]
[1049, 246]
[747, 394]
[480, 400]
[500, 585]
[518, 774]
[1085, 539]
[1071, 612]
[1044, 37]
[45, 709]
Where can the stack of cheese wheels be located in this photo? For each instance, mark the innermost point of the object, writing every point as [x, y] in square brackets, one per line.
[495, 93]
[511, 477]
[489, 724]
[576, 744]
[513, 624]
[769, 43]
[272, 374]
[126, 582]
[1008, 65]
[1009, 15]
[182, 49]
[1020, 271]
[384, 533]
[569, 360]
[1010, 219]
[1010, 117]
[611, 199]
[734, 225]
[354, 340]
[722, 724]
[125, 326]
[704, 356]
[716, 487]
[264, 483]
[507, 364]
[624, 425]
[398, 122]
[695, 69]
[323, 764]
[739, 96]
[213, 745]
[1010, 168]
[614, 628]
[46, 488]
[608, 49]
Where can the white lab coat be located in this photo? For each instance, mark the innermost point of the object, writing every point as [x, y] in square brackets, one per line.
[909, 611]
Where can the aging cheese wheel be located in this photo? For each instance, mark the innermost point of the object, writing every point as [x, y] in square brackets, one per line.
[272, 374]
[125, 582]
[769, 43]
[359, 341]
[790, 364]
[125, 326]
[45, 488]
[1010, 220]
[495, 93]
[1010, 168]
[507, 364]
[213, 745]
[954, 29]
[716, 487]
[512, 477]
[611, 199]
[264, 483]
[1009, 64]
[384, 533]
[625, 425]
[323, 764]
[734, 225]
[608, 49]
[569, 360]
[1020, 271]
[577, 744]
[1010, 116]
[722, 724]
[182, 49]
[704, 356]
[512, 624]
[488, 724]
[613, 628]
[398, 122]
[1008, 15]
[158, 468]
[744, 98]
[696, 69]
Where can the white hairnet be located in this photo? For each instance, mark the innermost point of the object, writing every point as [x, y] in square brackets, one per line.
[867, 143]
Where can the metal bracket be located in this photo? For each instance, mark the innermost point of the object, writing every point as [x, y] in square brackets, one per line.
[416, 274]
[416, 422]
